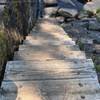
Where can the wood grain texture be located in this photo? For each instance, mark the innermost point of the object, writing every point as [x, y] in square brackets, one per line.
[50, 66]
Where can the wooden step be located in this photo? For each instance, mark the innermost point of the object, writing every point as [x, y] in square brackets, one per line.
[48, 42]
[51, 28]
[47, 54]
[49, 47]
[50, 70]
[50, 90]
[53, 36]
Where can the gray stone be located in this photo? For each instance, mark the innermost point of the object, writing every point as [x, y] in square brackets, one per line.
[71, 4]
[94, 25]
[95, 35]
[92, 6]
[60, 19]
[88, 48]
[81, 24]
[97, 48]
[86, 40]
[85, 14]
[66, 12]
[50, 11]
[50, 2]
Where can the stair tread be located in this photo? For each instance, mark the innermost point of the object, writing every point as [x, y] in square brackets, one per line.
[46, 42]
[53, 69]
[43, 54]
[51, 89]
[49, 47]
[48, 71]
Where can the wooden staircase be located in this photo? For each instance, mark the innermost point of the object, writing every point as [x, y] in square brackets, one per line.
[49, 66]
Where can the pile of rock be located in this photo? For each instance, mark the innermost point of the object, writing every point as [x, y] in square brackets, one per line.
[63, 8]
[86, 32]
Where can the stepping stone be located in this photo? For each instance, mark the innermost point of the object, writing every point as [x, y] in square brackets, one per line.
[49, 70]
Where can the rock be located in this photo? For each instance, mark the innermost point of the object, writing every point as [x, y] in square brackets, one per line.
[96, 41]
[95, 35]
[85, 14]
[80, 24]
[69, 19]
[67, 13]
[98, 76]
[69, 8]
[60, 19]
[89, 48]
[94, 25]
[86, 40]
[50, 11]
[97, 48]
[92, 6]
[50, 3]
[71, 4]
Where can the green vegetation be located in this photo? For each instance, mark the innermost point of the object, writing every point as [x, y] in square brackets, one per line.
[3, 49]
[15, 18]
[97, 67]
[81, 45]
[96, 60]
[98, 14]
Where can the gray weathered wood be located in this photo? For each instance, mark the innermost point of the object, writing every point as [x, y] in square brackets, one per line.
[49, 47]
[36, 55]
[16, 70]
[41, 90]
[49, 67]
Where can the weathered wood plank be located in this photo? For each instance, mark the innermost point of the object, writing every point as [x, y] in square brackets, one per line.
[49, 42]
[72, 63]
[41, 90]
[38, 74]
[36, 55]
[50, 47]
[35, 70]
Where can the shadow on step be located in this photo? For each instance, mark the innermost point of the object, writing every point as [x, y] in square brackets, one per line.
[9, 91]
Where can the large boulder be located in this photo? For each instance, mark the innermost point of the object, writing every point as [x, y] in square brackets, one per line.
[69, 8]
[92, 6]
